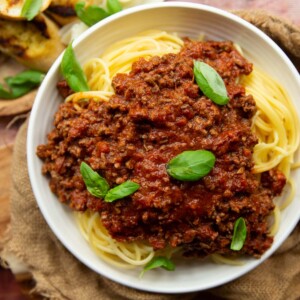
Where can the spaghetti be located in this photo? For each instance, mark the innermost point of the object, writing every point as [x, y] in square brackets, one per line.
[275, 124]
[99, 71]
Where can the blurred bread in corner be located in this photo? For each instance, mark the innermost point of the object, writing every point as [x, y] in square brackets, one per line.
[35, 44]
[62, 11]
[11, 9]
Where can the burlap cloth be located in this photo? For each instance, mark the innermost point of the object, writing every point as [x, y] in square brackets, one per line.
[59, 275]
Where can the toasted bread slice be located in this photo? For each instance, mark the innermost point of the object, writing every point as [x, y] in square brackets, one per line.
[62, 11]
[11, 9]
[35, 44]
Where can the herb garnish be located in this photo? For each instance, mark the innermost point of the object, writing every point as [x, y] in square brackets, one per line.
[191, 165]
[210, 82]
[31, 8]
[73, 72]
[99, 187]
[95, 183]
[158, 262]
[239, 234]
[113, 6]
[120, 191]
[92, 14]
[21, 84]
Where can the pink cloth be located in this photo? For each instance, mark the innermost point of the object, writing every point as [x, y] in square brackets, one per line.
[289, 9]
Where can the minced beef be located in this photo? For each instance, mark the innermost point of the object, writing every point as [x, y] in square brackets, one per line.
[157, 112]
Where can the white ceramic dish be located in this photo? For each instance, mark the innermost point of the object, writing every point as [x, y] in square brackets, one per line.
[187, 19]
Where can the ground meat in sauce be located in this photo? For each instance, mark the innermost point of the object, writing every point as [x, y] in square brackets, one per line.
[157, 112]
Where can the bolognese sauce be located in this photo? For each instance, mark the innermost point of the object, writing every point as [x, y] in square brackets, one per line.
[157, 112]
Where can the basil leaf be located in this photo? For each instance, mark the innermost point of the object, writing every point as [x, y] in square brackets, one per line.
[21, 84]
[25, 77]
[120, 191]
[5, 94]
[158, 262]
[16, 92]
[191, 165]
[210, 82]
[95, 183]
[31, 8]
[73, 72]
[113, 6]
[239, 234]
[91, 14]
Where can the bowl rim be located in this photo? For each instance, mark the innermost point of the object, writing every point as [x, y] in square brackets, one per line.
[31, 127]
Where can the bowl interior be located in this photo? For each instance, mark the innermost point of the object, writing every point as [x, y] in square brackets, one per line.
[186, 19]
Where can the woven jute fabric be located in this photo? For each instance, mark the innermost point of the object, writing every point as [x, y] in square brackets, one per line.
[59, 275]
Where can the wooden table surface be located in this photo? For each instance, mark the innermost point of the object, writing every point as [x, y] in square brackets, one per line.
[9, 125]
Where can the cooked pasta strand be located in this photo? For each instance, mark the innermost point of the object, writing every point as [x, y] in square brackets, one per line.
[276, 125]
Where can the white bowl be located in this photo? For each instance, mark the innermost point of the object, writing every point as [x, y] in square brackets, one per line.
[187, 19]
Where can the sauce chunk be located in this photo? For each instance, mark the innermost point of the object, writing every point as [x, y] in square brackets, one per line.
[157, 112]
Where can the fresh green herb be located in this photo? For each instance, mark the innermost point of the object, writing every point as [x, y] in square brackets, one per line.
[191, 165]
[113, 6]
[91, 14]
[95, 183]
[73, 72]
[99, 187]
[31, 8]
[210, 82]
[120, 191]
[239, 234]
[21, 84]
[158, 262]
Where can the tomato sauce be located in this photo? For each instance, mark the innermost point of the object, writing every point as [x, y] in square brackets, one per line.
[157, 112]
